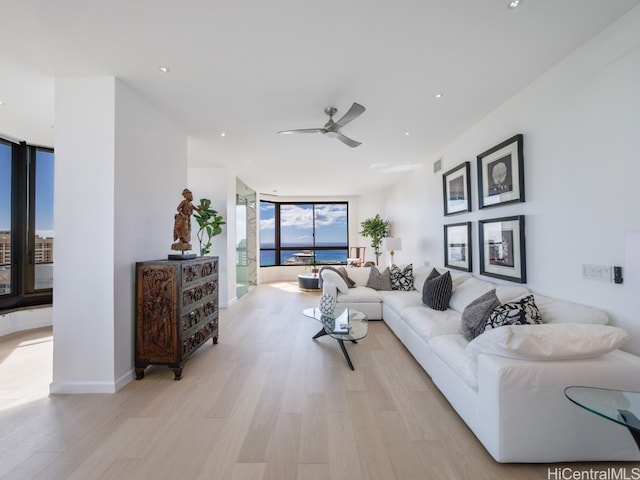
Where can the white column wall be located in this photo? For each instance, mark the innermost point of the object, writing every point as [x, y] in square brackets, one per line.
[581, 164]
[120, 171]
[83, 354]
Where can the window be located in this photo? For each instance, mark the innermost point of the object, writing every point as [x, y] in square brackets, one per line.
[299, 233]
[26, 225]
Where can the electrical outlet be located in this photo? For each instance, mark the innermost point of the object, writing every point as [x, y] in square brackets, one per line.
[600, 273]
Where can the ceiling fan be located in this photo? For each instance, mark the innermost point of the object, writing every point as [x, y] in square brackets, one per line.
[333, 129]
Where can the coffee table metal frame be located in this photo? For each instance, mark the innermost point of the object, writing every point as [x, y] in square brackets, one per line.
[357, 321]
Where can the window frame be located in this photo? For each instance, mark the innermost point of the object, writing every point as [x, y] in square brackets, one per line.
[278, 248]
[23, 234]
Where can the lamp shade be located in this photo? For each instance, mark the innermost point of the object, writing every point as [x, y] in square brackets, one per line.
[632, 261]
[392, 244]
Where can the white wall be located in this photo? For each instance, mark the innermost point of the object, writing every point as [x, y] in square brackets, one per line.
[150, 174]
[218, 185]
[582, 164]
[108, 197]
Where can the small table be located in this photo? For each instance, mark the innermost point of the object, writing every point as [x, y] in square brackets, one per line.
[345, 324]
[308, 282]
[616, 405]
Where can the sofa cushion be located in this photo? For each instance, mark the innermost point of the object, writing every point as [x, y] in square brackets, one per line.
[343, 271]
[428, 323]
[518, 312]
[508, 293]
[451, 349]
[398, 300]
[402, 277]
[475, 315]
[559, 341]
[467, 292]
[360, 275]
[436, 291]
[420, 274]
[379, 280]
[360, 295]
[553, 310]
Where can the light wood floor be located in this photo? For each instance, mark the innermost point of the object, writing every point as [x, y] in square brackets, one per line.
[267, 402]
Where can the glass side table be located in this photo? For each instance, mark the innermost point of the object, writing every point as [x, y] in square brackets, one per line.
[615, 405]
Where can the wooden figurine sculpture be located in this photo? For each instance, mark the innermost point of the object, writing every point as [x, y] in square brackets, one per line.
[182, 223]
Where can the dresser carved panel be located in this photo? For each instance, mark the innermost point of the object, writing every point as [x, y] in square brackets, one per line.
[176, 311]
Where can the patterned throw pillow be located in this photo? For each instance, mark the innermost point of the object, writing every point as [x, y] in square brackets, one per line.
[475, 315]
[436, 291]
[379, 280]
[402, 278]
[519, 312]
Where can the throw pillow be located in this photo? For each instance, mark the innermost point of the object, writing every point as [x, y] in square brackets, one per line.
[402, 278]
[328, 274]
[436, 291]
[343, 271]
[519, 312]
[379, 280]
[551, 341]
[475, 315]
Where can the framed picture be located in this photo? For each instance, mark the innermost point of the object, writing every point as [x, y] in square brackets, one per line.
[501, 174]
[457, 246]
[456, 189]
[502, 248]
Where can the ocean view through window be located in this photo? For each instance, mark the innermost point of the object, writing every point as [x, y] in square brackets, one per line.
[303, 233]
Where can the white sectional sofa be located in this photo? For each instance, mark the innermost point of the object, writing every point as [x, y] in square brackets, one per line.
[508, 384]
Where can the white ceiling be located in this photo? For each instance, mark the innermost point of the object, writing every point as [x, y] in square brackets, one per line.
[252, 67]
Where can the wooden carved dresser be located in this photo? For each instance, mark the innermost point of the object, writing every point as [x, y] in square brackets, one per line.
[176, 311]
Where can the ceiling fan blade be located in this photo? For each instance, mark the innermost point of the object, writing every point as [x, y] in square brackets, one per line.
[355, 111]
[305, 130]
[348, 141]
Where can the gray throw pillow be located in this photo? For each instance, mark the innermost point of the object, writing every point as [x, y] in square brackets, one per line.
[475, 315]
[379, 280]
[345, 275]
[436, 291]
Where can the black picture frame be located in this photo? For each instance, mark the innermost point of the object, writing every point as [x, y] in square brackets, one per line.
[457, 246]
[501, 173]
[502, 248]
[456, 189]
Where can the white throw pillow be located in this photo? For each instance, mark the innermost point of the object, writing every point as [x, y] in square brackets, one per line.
[334, 277]
[329, 288]
[553, 310]
[467, 292]
[558, 341]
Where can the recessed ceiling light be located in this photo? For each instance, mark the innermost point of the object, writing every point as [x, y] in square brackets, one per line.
[438, 95]
[164, 69]
[406, 134]
[2, 103]
[222, 134]
[514, 4]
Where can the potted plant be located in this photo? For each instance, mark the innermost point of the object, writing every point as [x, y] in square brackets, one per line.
[376, 228]
[209, 223]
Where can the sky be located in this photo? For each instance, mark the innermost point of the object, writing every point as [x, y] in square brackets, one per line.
[44, 190]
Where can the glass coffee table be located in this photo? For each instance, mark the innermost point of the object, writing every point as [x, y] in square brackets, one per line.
[619, 406]
[344, 324]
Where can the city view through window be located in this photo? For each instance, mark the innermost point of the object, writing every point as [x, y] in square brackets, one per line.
[39, 242]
